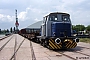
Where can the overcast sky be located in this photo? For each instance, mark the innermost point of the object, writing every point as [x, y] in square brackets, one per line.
[31, 11]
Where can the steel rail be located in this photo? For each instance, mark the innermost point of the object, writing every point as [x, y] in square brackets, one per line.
[6, 43]
[84, 47]
[73, 52]
[67, 56]
[15, 46]
[13, 56]
[32, 51]
[82, 53]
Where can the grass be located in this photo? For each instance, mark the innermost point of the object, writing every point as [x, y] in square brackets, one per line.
[86, 40]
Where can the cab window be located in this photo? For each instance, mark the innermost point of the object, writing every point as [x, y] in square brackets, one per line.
[53, 18]
[65, 18]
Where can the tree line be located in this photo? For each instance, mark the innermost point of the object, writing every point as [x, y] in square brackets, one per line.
[11, 30]
[80, 28]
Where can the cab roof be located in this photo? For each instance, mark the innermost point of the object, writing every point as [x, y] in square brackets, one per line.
[58, 13]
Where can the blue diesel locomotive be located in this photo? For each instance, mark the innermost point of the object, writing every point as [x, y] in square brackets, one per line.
[56, 32]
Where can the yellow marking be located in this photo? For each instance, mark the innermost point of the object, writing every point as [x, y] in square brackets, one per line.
[60, 46]
[66, 40]
[52, 41]
[74, 45]
[52, 44]
[70, 41]
[71, 45]
[67, 44]
[55, 44]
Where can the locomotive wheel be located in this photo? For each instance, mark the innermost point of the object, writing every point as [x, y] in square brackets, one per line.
[49, 47]
[43, 43]
[34, 39]
[47, 44]
[37, 40]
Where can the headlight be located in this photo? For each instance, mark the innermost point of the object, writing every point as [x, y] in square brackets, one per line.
[76, 40]
[57, 40]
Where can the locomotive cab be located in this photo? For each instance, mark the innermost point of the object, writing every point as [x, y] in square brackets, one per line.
[56, 24]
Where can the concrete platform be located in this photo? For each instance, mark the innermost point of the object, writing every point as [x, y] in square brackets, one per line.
[41, 53]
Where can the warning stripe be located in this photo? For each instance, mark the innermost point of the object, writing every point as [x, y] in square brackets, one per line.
[67, 44]
[57, 45]
[72, 45]
[52, 44]
[75, 44]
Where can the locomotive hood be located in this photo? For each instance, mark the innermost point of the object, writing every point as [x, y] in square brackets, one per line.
[61, 29]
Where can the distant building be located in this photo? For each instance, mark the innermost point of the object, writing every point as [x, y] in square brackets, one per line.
[34, 27]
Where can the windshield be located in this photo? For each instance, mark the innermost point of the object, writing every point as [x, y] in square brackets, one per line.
[65, 18]
[53, 18]
[58, 17]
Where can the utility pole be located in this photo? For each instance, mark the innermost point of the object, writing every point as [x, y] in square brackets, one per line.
[16, 23]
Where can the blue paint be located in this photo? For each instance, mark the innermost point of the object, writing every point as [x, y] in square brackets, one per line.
[61, 29]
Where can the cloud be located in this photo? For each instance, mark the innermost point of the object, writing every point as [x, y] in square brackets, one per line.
[30, 11]
[79, 10]
[6, 18]
[22, 16]
[81, 18]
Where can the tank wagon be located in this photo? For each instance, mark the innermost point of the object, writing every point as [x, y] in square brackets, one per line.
[56, 32]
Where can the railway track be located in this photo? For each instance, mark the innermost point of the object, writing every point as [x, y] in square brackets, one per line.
[73, 58]
[85, 56]
[1, 38]
[32, 51]
[6, 43]
[18, 46]
[66, 55]
[13, 56]
[15, 47]
[82, 53]
[84, 47]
